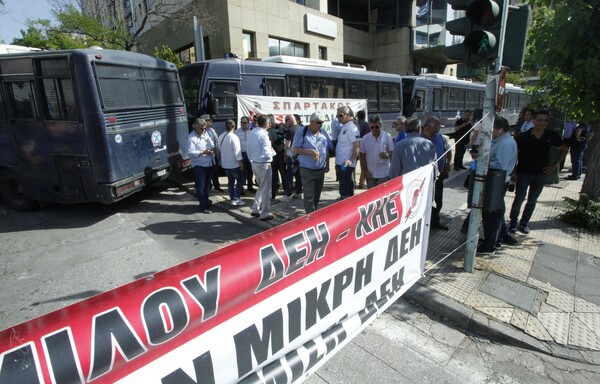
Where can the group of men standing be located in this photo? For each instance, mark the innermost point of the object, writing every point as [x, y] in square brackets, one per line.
[291, 149]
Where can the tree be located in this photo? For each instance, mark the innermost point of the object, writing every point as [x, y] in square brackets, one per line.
[563, 43]
[128, 27]
[167, 54]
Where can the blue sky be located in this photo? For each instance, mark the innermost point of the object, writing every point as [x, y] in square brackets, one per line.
[15, 14]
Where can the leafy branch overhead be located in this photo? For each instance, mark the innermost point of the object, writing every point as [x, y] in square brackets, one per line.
[108, 25]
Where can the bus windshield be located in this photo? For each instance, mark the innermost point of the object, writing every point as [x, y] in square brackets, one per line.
[122, 87]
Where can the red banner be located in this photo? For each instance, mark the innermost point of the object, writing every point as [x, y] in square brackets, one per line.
[276, 305]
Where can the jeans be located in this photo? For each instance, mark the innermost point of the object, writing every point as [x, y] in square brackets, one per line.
[535, 183]
[346, 181]
[248, 174]
[313, 186]
[235, 181]
[278, 172]
[438, 197]
[373, 181]
[290, 175]
[202, 176]
[577, 160]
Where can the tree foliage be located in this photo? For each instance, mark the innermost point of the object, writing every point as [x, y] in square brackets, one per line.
[167, 53]
[563, 44]
[106, 24]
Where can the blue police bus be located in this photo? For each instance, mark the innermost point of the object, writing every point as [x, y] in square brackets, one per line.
[211, 87]
[448, 97]
[87, 125]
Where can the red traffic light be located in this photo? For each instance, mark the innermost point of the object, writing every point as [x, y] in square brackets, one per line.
[483, 13]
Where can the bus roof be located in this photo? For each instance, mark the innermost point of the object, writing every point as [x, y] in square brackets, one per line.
[276, 66]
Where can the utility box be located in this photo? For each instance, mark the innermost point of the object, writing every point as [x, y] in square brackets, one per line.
[493, 190]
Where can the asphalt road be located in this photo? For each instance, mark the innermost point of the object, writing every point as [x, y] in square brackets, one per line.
[61, 254]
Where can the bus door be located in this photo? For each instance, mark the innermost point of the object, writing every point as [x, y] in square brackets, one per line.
[419, 101]
[29, 133]
[223, 102]
[65, 141]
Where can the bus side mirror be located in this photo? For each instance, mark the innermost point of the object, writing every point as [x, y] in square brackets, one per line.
[418, 103]
[214, 107]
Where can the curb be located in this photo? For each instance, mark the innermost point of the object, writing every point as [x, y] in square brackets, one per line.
[480, 324]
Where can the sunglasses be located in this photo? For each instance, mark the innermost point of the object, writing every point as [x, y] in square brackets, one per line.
[342, 115]
[374, 127]
[319, 122]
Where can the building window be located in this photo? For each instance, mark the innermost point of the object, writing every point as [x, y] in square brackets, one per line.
[301, 2]
[323, 53]
[285, 47]
[248, 44]
[187, 55]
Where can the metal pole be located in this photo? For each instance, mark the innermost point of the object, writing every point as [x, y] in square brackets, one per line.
[198, 40]
[483, 161]
[498, 65]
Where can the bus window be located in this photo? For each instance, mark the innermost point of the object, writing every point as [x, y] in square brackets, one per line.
[191, 79]
[163, 87]
[356, 89]
[225, 93]
[372, 95]
[273, 87]
[472, 99]
[456, 98]
[323, 87]
[121, 87]
[22, 99]
[294, 86]
[59, 101]
[419, 102]
[438, 103]
[2, 110]
[390, 96]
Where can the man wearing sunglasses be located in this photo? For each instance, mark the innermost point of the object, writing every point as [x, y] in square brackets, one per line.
[376, 149]
[346, 151]
[532, 168]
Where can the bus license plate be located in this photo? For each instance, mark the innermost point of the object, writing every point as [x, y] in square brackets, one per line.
[162, 172]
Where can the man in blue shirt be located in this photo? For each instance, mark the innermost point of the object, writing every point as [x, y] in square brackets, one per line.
[503, 156]
[431, 131]
[413, 152]
[312, 144]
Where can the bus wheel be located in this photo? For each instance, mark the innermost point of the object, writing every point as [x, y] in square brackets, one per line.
[14, 193]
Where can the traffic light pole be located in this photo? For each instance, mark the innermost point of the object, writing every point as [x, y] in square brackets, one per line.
[483, 160]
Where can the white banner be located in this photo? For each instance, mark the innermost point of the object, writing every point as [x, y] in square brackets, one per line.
[304, 106]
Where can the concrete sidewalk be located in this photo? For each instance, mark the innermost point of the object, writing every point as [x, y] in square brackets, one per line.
[542, 294]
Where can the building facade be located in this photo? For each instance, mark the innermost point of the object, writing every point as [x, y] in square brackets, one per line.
[395, 36]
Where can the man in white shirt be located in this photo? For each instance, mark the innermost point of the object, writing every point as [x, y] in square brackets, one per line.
[200, 150]
[243, 132]
[232, 162]
[346, 152]
[260, 153]
[376, 149]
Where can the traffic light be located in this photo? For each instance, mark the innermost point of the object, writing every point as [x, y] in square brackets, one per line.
[481, 27]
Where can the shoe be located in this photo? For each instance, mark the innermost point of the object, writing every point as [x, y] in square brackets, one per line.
[462, 167]
[251, 190]
[485, 251]
[498, 245]
[232, 202]
[287, 198]
[270, 217]
[512, 229]
[457, 169]
[297, 195]
[205, 211]
[219, 189]
[255, 214]
[524, 229]
[238, 202]
[509, 240]
[571, 178]
[439, 226]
